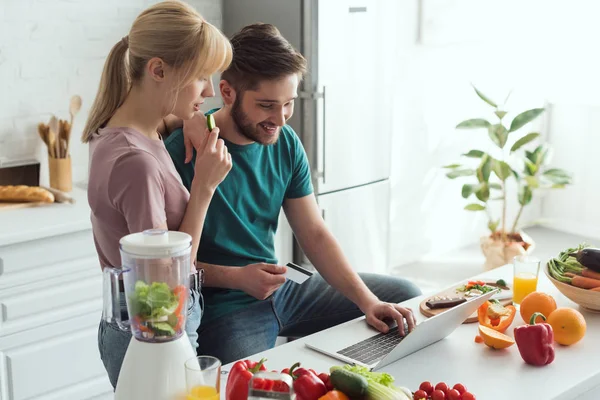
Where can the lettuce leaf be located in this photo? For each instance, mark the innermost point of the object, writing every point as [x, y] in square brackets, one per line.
[379, 377]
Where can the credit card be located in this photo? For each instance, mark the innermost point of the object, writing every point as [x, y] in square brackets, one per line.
[296, 273]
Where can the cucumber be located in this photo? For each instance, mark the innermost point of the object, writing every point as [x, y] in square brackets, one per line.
[162, 329]
[210, 122]
[348, 382]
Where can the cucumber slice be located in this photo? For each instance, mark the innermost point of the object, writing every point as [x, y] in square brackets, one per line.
[210, 122]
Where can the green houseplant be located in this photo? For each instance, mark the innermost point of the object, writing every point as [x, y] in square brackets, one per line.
[491, 174]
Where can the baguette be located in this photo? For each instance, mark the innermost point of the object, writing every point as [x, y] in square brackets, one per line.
[22, 193]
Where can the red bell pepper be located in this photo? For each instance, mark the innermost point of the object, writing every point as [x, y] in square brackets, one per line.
[307, 384]
[239, 378]
[323, 376]
[535, 341]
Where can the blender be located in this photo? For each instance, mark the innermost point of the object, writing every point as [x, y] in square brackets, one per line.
[156, 271]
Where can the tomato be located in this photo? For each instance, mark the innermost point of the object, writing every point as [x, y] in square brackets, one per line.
[468, 396]
[420, 394]
[438, 395]
[454, 394]
[460, 387]
[442, 386]
[427, 387]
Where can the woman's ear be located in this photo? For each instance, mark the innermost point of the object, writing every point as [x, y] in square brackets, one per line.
[156, 69]
[228, 93]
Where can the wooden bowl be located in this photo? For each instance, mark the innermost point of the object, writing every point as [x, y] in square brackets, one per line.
[585, 298]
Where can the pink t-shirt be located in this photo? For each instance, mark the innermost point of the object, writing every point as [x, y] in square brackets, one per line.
[133, 186]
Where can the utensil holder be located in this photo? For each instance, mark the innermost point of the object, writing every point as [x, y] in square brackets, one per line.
[60, 173]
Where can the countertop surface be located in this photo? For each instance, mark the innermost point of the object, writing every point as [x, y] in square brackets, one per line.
[30, 223]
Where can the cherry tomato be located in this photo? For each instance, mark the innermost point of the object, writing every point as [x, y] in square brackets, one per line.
[468, 396]
[427, 387]
[420, 394]
[438, 395]
[460, 387]
[442, 386]
[453, 394]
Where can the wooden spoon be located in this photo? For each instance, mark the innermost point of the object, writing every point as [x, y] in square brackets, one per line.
[54, 138]
[74, 108]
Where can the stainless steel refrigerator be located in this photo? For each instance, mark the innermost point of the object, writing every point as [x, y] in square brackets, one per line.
[344, 111]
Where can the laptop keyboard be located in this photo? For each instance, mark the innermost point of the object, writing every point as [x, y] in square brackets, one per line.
[374, 348]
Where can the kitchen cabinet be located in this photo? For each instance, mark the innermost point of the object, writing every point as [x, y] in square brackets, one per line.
[50, 304]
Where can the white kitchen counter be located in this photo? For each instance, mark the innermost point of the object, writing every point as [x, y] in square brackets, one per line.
[31, 223]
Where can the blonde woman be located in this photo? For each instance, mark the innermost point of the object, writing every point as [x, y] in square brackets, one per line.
[163, 66]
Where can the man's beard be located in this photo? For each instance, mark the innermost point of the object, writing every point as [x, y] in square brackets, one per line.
[240, 119]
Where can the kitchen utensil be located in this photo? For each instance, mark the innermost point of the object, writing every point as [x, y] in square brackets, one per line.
[156, 268]
[54, 139]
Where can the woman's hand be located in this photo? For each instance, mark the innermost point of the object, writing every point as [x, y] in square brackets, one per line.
[193, 134]
[213, 161]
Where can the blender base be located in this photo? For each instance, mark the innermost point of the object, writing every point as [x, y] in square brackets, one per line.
[154, 370]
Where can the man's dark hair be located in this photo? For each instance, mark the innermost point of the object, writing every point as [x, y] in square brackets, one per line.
[261, 53]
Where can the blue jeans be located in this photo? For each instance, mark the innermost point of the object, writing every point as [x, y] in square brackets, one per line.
[294, 311]
[113, 342]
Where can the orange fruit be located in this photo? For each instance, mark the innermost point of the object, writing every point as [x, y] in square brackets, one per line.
[568, 325]
[495, 339]
[537, 302]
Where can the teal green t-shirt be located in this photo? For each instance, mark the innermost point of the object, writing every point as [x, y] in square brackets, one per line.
[243, 215]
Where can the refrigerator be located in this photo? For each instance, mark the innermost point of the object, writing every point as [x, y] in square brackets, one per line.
[344, 112]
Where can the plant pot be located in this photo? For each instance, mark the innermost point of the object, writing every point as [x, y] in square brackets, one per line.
[498, 252]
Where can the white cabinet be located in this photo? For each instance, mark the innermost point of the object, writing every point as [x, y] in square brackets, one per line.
[50, 306]
[358, 219]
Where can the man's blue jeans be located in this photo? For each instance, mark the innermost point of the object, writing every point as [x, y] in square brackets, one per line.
[294, 311]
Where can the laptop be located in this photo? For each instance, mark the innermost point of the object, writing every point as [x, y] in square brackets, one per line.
[356, 342]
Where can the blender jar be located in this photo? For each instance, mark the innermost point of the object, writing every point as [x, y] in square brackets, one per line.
[156, 271]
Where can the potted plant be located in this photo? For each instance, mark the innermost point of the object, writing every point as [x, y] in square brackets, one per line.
[491, 173]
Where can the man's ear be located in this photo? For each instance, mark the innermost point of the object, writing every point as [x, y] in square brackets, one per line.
[228, 93]
[156, 69]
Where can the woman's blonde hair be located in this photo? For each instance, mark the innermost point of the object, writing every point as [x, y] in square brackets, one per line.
[172, 31]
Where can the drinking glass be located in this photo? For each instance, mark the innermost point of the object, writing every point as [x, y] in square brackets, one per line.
[203, 378]
[525, 276]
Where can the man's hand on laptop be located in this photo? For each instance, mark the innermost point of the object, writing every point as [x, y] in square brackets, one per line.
[259, 280]
[379, 311]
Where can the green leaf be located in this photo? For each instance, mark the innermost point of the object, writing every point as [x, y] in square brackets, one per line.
[524, 118]
[474, 207]
[525, 195]
[485, 168]
[451, 166]
[485, 98]
[498, 134]
[500, 114]
[532, 182]
[493, 225]
[483, 192]
[530, 168]
[460, 172]
[474, 154]
[558, 176]
[468, 189]
[473, 124]
[502, 169]
[523, 141]
[516, 174]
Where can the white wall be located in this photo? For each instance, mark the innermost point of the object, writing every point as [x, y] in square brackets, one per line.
[51, 50]
[541, 50]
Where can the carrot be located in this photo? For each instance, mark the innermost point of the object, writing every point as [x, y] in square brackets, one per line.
[570, 274]
[590, 274]
[596, 289]
[585, 283]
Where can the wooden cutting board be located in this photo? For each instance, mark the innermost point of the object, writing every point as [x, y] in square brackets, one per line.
[12, 206]
[453, 292]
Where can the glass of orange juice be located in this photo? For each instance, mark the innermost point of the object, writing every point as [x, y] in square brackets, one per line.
[525, 277]
[203, 378]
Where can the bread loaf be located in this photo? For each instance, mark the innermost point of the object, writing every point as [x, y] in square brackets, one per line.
[22, 193]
